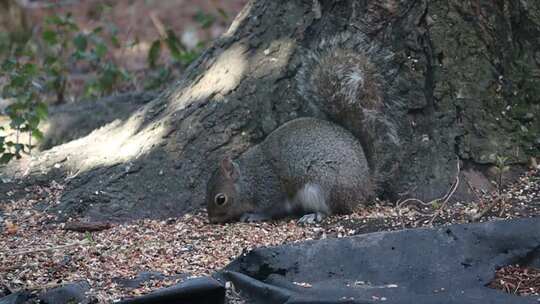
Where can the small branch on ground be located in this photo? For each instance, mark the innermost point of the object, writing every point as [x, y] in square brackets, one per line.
[445, 199]
[498, 200]
[448, 195]
[45, 4]
[516, 279]
[83, 242]
[158, 25]
[87, 226]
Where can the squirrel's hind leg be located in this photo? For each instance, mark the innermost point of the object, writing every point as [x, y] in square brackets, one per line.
[311, 199]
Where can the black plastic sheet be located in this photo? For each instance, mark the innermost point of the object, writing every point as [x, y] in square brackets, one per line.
[443, 265]
[198, 290]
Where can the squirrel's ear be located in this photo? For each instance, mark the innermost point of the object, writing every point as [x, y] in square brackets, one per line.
[230, 168]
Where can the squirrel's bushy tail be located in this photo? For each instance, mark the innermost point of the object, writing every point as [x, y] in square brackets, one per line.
[350, 81]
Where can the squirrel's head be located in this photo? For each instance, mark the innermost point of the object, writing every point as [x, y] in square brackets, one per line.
[223, 193]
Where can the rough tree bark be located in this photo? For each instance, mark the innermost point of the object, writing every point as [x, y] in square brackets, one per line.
[457, 82]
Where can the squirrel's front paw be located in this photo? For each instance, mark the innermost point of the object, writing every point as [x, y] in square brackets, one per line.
[253, 217]
[311, 218]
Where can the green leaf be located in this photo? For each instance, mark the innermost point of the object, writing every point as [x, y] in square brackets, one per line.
[15, 107]
[9, 64]
[153, 53]
[204, 19]
[50, 60]
[173, 43]
[29, 69]
[78, 55]
[18, 81]
[16, 122]
[56, 20]
[37, 134]
[100, 50]
[71, 25]
[66, 22]
[41, 110]
[223, 14]
[115, 42]
[50, 37]
[188, 57]
[125, 74]
[97, 30]
[109, 78]
[32, 122]
[6, 157]
[80, 42]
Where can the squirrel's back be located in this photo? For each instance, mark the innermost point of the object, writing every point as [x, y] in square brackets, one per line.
[313, 151]
[307, 167]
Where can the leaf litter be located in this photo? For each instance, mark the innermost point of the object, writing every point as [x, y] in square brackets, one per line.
[36, 251]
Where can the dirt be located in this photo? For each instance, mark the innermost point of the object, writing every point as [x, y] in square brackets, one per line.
[37, 252]
[514, 279]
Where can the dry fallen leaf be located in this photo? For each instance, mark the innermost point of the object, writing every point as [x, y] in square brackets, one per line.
[189, 246]
[11, 228]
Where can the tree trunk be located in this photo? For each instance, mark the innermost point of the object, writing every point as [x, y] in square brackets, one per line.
[435, 90]
[13, 20]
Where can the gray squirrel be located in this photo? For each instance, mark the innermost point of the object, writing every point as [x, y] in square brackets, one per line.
[313, 167]
[307, 167]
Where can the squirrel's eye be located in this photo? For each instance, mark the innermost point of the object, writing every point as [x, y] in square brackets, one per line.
[220, 199]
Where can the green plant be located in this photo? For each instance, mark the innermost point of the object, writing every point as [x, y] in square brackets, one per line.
[180, 55]
[29, 72]
[89, 238]
[26, 110]
[501, 167]
[56, 37]
[205, 19]
[94, 49]
[67, 47]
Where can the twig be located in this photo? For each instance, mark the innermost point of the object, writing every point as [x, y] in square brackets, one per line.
[517, 287]
[83, 242]
[87, 226]
[400, 204]
[474, 191]
[28, 5]
[43, 286]
[503, 207]
[159, 25]
[448, 196]
[482, 213]
[445, 198]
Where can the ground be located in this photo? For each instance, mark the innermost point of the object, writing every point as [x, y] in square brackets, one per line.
[37, 252]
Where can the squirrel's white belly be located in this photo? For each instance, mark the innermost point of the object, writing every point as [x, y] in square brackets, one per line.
[311, 198]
